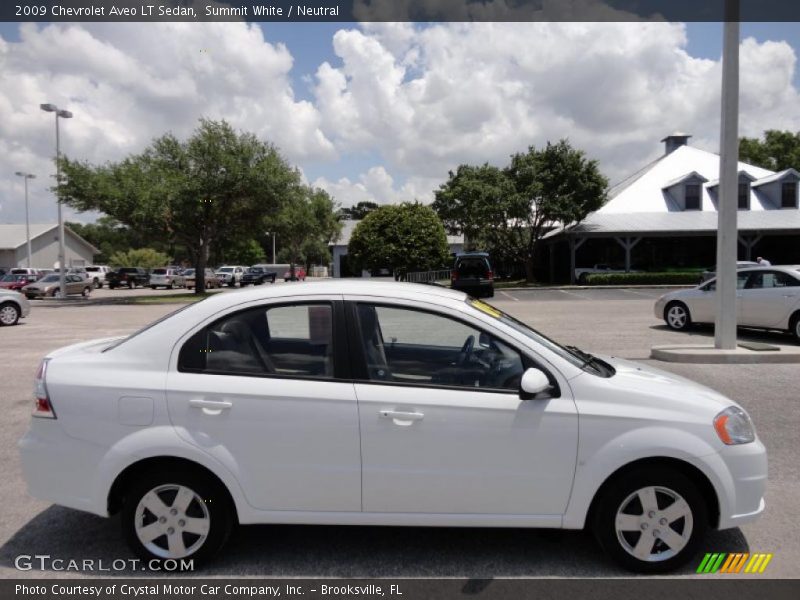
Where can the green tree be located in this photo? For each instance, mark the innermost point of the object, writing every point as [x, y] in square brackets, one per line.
[239, 251]
[508, 211]
[110, 236]
[217, 184]
[359, 210]
[406, 237]
[139, 257]
[779, 150]
[305, 227]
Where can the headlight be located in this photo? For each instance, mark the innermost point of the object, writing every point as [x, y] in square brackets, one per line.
[734, 426]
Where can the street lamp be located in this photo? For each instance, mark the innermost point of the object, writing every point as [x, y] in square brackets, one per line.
[62, 279]
[27, 176]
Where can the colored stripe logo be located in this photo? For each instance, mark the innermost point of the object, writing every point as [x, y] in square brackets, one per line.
[737, 562]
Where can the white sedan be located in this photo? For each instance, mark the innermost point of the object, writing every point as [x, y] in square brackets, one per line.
[766, 298]
[373, 403]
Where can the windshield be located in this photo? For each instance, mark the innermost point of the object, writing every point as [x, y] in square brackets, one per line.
[11, 278]
[159, 271]
[575, 356]
[50, 278]
[188, 272]
[226, 269]
[255, 269]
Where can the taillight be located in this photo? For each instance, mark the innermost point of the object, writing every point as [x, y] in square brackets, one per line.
[453, 276]
[489, 275]
[42, 406]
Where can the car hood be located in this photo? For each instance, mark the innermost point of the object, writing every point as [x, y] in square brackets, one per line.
[651, 388]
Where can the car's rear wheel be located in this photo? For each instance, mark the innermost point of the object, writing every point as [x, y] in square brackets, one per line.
[9, 313]
[57, 294]
[86, 291]
[651, 520]
[677, 316]
[168, 515]
[131, 285]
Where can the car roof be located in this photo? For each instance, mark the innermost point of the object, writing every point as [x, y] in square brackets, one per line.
[462, 254]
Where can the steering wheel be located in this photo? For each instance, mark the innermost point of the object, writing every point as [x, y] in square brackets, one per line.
[466, 351]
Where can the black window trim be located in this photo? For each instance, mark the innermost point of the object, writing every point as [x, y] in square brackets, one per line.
[358, 363]
[341, 362]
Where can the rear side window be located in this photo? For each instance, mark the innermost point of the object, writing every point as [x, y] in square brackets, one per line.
[288, 340]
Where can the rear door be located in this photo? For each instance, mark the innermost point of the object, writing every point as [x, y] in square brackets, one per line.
[768, 299]
[262, 391]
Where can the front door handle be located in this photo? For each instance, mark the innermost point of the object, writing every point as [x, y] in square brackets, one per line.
[401, 417]
[211, 407]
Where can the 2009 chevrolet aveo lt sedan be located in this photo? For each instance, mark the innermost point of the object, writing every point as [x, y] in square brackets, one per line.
[383, 404]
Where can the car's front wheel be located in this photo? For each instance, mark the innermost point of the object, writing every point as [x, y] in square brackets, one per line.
[651, 520]
[86, 291]
[9, 314]
[677, 316]
[167, 515]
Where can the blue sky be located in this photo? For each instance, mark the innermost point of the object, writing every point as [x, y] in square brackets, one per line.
[387, 119]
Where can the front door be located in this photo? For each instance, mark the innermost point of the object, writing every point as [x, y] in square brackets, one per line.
[257, 391]
[443, 428]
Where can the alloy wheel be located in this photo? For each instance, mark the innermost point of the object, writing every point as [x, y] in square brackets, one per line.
[654, 523]
[172, 521]
[677, 316]
[9, 314]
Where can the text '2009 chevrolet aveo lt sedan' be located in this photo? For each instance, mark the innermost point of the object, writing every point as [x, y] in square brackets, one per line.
[383, 404]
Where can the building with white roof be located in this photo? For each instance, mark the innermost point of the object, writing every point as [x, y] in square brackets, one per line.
[665, 216]
[44, 247]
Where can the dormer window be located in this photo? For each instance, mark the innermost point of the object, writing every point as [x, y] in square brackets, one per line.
[692, 196]
[789, 194]
[744, 196]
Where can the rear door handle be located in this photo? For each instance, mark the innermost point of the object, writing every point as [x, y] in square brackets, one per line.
[211, 407]
[401, 417]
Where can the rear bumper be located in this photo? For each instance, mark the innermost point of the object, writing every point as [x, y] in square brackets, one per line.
[58, 468]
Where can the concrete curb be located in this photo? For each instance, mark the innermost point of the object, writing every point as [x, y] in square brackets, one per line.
[702, 354]
[595, 287]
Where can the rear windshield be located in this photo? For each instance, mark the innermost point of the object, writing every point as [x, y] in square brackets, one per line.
[159, 271]
[476, 265]
[128, 270]
[92, 269]
[226, 269]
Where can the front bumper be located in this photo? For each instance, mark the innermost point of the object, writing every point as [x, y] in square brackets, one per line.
[743, 483]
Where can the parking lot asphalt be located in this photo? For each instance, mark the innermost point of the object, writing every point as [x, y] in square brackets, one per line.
[616, 322]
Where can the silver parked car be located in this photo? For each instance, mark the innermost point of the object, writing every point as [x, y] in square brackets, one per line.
[167, 278]
[13, 306]
[711, 272]
[767, 298]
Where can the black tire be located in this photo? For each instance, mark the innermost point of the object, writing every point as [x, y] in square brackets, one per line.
[9, 313]
[215, 500]
[131, 285]
[794, 326]
[582, 279]
[86, 291]
[615, 495]
[97, 284]
[671, 316]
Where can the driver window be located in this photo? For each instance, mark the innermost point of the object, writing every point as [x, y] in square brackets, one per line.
[412, 346]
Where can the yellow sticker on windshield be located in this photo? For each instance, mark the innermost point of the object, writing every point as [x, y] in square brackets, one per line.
[487, 308]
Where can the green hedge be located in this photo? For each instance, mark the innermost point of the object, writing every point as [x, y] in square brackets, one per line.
[677, 278]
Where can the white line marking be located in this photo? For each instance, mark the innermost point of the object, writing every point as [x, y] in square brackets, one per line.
[509, 296]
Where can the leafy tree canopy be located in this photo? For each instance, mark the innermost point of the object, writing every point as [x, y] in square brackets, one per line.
[779, 150]
[408, 236]
[139, 257]
[359, 210]
[507, 211]
[217, 184]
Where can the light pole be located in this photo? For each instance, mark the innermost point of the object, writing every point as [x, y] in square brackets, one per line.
[725, 322]
[27, 176]
[62, 280]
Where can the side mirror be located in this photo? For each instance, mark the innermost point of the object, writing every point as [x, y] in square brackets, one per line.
[533, 382]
